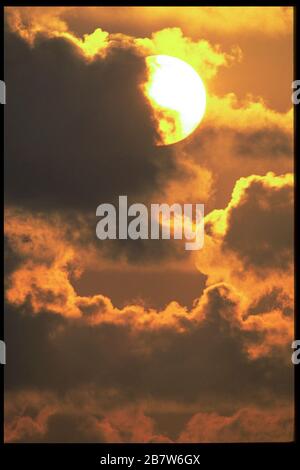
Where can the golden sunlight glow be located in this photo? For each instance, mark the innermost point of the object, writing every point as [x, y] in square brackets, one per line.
[177, 95]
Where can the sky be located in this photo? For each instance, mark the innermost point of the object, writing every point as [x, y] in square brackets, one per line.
[141, 340]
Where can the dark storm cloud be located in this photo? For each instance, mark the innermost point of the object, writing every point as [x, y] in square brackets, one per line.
[207, 363]
[234, 153]
[274, 142]
[275, 298]
[260, 228]
[77, 133]
[12, 260]
[67, 427]
[269, 144]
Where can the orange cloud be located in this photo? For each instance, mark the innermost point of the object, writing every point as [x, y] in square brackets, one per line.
[204, 57]
[252, 113]
[47, 287]
[249, 265]
[255, 261]
[246, 425]
[207, 20]
[34, 417]
[30, 416]
[207, 59]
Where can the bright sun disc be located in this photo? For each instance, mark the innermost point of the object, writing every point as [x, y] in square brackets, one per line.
[177, 95]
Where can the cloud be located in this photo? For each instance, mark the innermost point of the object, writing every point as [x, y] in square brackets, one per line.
[248, 114]
[44, 417]
[51, 419]
[90, 121]
[257, 224]
[201, 55]
[249, 245]
[46, 285]
[271, 142]
[114, 120]
[269, 21]
[89, 128]
[247, 425]
[265, 205]
[87, 369]
[136, 354]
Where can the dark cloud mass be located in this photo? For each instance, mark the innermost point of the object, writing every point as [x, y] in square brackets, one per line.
[206, 367]
[93, 137]
[207, 363]
[261, 227]
[272, 299]
[93, 133]
[241, 153]
[274, 142]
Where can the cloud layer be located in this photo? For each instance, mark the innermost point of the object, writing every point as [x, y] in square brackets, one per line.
[78, 132]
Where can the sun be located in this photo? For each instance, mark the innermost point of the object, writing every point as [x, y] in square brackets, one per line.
[177, 96]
